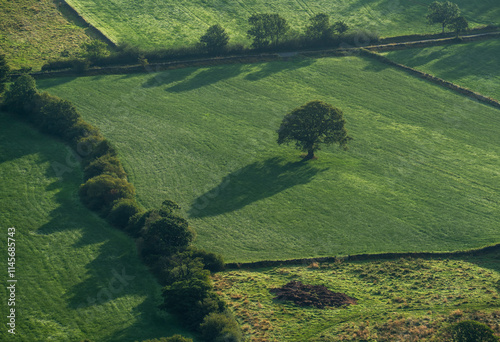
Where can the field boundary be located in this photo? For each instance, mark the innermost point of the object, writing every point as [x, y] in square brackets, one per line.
[439, 81]
[362, 257]
[92, 28]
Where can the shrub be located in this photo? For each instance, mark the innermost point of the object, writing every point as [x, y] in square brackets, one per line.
[100, 192]
[80, 130]
[96, 146]
[56, 117]
[106, 164]
[175, 338]
[121, 212]
[211, 261]
[80, 65]
[19, 98]
[220, 327]
[167, 235]
[472, 331]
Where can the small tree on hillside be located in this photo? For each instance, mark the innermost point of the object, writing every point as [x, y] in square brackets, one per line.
[4, 73]
[319, 27]
[95, 50]
[19, 98]
[215, 39]
[313, 124]
[266, 29]
[459, 25]
[443, 13]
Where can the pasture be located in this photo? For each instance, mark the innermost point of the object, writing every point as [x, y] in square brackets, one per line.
[166, 23]
[400, 300]
[472, 65]
[35, 32]
[78, 278]
[421, 173]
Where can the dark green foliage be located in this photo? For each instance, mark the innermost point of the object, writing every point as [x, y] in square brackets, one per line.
[174, 338]
[211, 261]
[137, 223]
[215, 39]
[167, 235]
[319, 27]
[266, 29]
[472, 331]
[442, 13]
[80, 65]
[340, 27]
[100, 192]
[80, 130]
[220, 327]
[95, 50]
[313, 124]
[459, 25]
[96, 146]
[121, 212]
[56, 117]
[19, 98]
[4, 72]
[108, 164]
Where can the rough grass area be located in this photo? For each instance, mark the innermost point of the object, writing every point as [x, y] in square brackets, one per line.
[158, 24]
[421, 173]
[402, 300]
[77, 278]
[33, 32]
[473, 65]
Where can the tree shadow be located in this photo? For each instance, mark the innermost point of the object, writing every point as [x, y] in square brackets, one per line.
[268, 69]
[168, 77]
[252, 183]
[206, 77]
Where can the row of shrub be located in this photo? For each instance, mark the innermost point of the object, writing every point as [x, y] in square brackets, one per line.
[164, 238]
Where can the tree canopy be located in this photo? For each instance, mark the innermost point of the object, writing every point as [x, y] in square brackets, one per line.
[215, 39]
[313, 124]
[443, 13]
[266, 29]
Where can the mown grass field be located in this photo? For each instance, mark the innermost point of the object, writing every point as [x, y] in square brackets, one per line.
[473, 65]
[421, 173]
[34, 32]
[166, 23]
[67, 258]
[402, 300]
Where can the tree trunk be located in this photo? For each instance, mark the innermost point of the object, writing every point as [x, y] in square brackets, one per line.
[443, 28]
[310, 154]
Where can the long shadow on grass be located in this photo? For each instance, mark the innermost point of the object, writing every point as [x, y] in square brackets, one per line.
[268, 69]
[207, 77]
[252, 183]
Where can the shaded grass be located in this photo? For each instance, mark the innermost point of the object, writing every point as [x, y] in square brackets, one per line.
[34, 32]
[67, 258]
[472, 65]
[159, 24]
[421, 173]
[402, 300]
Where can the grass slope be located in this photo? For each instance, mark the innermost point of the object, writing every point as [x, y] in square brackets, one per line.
[163, 23]
[403, 300]
[34, 32]
[473, 65]
[421, 173]
[66, 257]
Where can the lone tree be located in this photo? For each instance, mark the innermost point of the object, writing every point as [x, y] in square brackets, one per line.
[266, 29]
[313, 124]
[215, 39]
[459, 25]
[443, 13]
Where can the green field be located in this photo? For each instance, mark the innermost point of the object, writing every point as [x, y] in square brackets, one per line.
[421, 173]
[165, 23]
[67, 258]
[34, 32]
[402, 300]
[473, 65]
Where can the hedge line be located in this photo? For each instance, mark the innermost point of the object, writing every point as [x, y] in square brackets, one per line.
[414, 37]
[363, 257]
[434, 79]
[164, 238]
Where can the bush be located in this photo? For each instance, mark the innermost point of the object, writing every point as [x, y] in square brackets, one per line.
[19, 98]
[56, 117]
[80, 65]
[211, 261]
[472, 331]
[175, 338]
[167, 235]
[96, 146]
[121, 212]
[106, 164]
[220, 327]
[80, 130]
[100, 192]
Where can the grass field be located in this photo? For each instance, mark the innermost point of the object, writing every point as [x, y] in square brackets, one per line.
[34, 32]
[421, 173]
[159, 24]
[402, 300]
[473, 65]
[77, 277]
